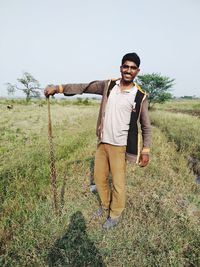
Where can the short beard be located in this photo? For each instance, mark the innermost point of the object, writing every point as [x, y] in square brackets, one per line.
[126, 82]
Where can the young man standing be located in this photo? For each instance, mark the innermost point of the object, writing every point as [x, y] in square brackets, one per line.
[124, 105]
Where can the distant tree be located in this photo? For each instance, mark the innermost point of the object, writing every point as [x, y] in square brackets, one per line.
[156, 86]
[27, 84]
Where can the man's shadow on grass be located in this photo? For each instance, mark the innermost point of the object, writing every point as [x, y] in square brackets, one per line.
[75, 249]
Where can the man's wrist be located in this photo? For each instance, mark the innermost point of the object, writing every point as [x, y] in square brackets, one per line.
[145, 150]
[60, 89]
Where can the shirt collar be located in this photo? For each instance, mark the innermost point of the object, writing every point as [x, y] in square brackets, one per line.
[128, 90]
[118, 82]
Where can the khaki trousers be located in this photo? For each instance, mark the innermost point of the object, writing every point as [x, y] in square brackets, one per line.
[110, 158]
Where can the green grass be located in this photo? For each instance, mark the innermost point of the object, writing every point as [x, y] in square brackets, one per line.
[182, 129]
[61, 101]
[160, 226]
[181, 104]
[184, 106]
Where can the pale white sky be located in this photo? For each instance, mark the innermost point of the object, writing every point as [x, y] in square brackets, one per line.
[65, 41]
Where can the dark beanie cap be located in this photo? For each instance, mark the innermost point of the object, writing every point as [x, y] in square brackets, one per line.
[131, 57]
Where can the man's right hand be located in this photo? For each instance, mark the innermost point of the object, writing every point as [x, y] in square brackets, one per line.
[50, 90]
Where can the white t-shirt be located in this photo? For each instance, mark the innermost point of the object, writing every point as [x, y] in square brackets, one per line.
[117, 115]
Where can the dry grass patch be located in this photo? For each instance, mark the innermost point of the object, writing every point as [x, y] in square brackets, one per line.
[159, 226]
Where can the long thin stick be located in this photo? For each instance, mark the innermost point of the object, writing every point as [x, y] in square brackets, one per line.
[52, 161]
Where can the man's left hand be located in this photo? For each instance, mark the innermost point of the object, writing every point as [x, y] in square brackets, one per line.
[144, 160]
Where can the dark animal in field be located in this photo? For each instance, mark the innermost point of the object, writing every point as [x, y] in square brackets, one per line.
[9, 106]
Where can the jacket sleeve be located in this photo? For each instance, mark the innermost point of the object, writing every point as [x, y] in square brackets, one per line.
[145, 126]
[95, 87]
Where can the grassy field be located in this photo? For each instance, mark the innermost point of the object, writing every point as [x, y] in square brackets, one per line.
[175, 120]
[160, 226]
[182, 129]
[189, 106]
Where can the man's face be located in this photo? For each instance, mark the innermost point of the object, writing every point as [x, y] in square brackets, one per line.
[129, 71]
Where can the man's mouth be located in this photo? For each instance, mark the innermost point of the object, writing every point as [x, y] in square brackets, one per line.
[127, 75]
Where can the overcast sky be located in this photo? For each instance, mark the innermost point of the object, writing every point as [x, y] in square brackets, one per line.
[65, 41]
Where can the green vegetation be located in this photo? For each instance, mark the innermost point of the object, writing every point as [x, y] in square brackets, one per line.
[182, 129]
[184, 106]
[27, 84]
[67, 101]
[157, 86]
[160, 226]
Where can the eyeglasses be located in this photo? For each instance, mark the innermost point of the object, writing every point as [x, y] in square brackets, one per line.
[126, 67]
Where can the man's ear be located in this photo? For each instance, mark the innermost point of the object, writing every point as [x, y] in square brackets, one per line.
[138, 70]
